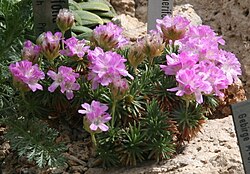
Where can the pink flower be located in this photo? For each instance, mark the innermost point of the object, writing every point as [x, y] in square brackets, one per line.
[191, 83]
[50, 44]
[109, 36]
[172, 28]
[26, 73]
[66, 79]
[202, 40]
[230, 65]
[96, 115]
[180, 61]
[105, 67]
[30, 51]
[214, 75]
[75, 47]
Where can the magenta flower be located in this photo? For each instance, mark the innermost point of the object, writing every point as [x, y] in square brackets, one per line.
[105, 67]
[75, 47]
[50, 44]
[30, 51]
[109, 36]
[172, 28]
[66, 79]
[25, 73]
[96, 115]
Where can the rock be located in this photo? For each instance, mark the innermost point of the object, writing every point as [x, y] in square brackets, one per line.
[141, 10]
[74, 161]
[124, 6]
[133, 28]
[187, 11]
[234, 94]
[77, 169]
[95, 171]
[207, 153]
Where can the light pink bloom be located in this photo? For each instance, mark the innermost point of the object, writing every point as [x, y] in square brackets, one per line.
[66, 79]
[75, 47]
[96, 115]
[180, 61]
[105, 67]
[230, 65]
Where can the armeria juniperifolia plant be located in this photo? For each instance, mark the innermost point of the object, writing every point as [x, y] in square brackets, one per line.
[137, 100]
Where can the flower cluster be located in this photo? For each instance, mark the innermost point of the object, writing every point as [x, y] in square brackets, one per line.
[201, 67]
[106, 68]
[66, 79]
[96, 115]
[26, 75]
[192, 54]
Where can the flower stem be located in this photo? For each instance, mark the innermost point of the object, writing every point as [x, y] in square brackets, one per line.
[63, 33]
[93, 139]
[24, 98]
[187, 106]
[113, 113]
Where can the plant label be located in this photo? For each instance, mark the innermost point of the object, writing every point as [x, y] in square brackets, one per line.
[241, 117]
[45, 13]
[157, 9]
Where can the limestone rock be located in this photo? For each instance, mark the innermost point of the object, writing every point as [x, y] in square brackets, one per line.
[213, 151]
[124, 6]
[187, 11]
[133, 28]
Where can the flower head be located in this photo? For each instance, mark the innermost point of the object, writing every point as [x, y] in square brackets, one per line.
[30, 51]
[96, 115]
[50, 44]
[65, 19]
[230, 65]
[105, 67]
[109, 36]
[66, 79]
[172, 28]
[180, 61]
[191, 83]
[26, 74]
[75, 48]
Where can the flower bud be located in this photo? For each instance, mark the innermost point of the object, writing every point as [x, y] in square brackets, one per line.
[136, 55]
[172, 28]
[65, 20]
[30, 52]
[109, 36]
[153, 45]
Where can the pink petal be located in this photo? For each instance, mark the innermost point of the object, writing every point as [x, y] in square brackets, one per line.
[103, 127]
